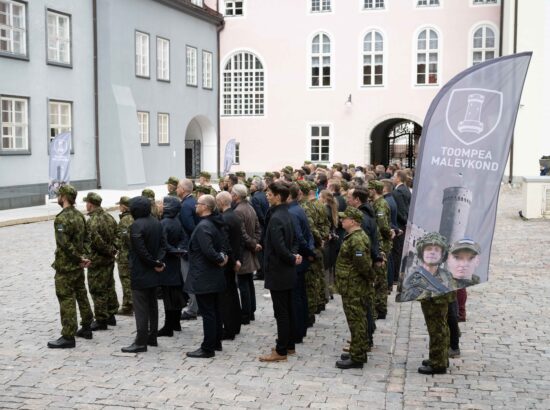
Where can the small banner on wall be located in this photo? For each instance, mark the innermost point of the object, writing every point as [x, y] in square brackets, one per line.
[229, 156]
[462, 156]
[60, 159]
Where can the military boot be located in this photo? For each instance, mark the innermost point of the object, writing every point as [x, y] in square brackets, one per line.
[111, 321]
[85, 332]
[432, 370]
[349, 364]
[62, 343]
[98, 325]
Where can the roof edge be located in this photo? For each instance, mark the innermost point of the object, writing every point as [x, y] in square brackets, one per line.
[203, 13]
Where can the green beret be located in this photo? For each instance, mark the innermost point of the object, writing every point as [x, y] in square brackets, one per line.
[68, 191]
[205, 174]
[304, 186]
[240, 174]
[172, 181]
[124, 200]
[93, 198]
[149, 193]
[375, 184]
[352, 213]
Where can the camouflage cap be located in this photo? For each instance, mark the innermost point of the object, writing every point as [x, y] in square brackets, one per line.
[324, 166]
[289, 169]
[68, 191]
[149, 193]
[307, 162]
[304, 186]
[124, 200]
[375, 184]
[465, 244]
[205, 174]
[240, 174]
[203, 189]
[351, 166]
[93, 198]
[344, 184]
[269, 175]
[352, 213]
[312, 186]
[172, 181]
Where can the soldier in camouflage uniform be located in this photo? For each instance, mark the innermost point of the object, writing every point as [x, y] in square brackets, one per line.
[70, 260]
[353, 277]
[149, 193]
[123, 246]
[432, 250]
[171, 186]
[383, 221]
[102, 230]
[204, 180]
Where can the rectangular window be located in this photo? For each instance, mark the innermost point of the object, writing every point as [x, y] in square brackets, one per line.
[163, 59]
[163, 129]
[373, 4]
[13, 28]
[427, 3]
[233, 8]
[199, 3]
[191, 66]
[143, 126]
[60, 118]
[476, 2]
[320, 143]
[14, 122]
[318, 6]
[142, 54]
[59, 38]
[237, 158]
[207, 69]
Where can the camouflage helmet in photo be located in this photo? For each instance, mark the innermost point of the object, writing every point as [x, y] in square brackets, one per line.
[68, 191]
[434, 239]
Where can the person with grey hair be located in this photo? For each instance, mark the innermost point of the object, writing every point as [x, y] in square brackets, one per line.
[258, 200]
[251, 234]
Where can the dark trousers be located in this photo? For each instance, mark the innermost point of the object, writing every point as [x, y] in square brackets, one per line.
[230, 305]
[452, 320]
[209, 306]
[248, 296]
[284, 316]
[391, 273]
[299, 300]
[146, 312]
[461, 296]
[396, 253]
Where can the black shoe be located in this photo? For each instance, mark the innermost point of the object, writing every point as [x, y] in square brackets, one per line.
[381, 316]
[245, 322]
[187, 316]
[218, 347]
[426, 362]
[111, 321]
[431, 370]
[200, 354]
[348, 364]
[85, 332]
[126, 311]
[165, 331]
[175, 318]
[62, 343]
[152, 341]
[252, 318]
[98, 325]
[134, 348]
[345, 356]
[227, 336]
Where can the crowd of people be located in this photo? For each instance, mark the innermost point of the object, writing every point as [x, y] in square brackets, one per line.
[308, 232]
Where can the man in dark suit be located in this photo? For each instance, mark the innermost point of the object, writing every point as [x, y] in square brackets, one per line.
[402, 196]
[281, 257]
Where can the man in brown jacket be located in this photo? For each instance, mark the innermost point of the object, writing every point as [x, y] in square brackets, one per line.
[251, 232]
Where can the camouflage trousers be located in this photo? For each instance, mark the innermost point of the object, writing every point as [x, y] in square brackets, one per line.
[356, 314]
[70, 289]
[435, 315]
[101, 283]
[381, 290]
[124, 275]
[311, 292]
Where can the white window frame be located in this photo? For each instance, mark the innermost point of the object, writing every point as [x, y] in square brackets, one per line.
[142, 53]
[373, 53]
[237, 156]
[483, 49]
[163, 59]
[55, 119]
[163, 128]
[242, 98]
[9, 125]
[328, 138]
[199, 3]
[324, 6]
[13, 29]
[373, 5]
[430, 4]
[484, 3]
[320, 56]
[426, 53]
[144, 129]
[207, 67]
[192, 66]
[58, 40]
[231, 5]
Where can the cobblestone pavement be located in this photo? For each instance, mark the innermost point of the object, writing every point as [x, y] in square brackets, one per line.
[505, 345]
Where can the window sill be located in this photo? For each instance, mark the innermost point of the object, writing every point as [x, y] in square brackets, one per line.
[57, 64]
[144, 77]
[145, 144]
[22, 57]
[161, 80]
[163, 144]
[241, 115]
[192, 85]
[15, 152]
[208, 88]
[320, 87]
[426, 85]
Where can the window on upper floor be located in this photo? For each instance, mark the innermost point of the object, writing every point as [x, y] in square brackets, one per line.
[427, 3]
[237, 157]
[59, 38]
[427, 57]
[191, 66]
[14, 124]
[373, 4]
[479, 2]
[319, 143]
[163, 59]
[142, 54]
[319, 6]
[233, 8]
[207, 70]
[143, 127]
[483, 45]
[243, 85]
[199, 3]
[13, 28]
[163, 128]
[321, 61]
[373, 58]
[60, 118]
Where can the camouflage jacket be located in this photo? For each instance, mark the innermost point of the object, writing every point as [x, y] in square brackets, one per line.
[354, 273]
[123, 237]
[70, 240]
[102, 229]
[317, 219]
[426, 291]
[382, 211]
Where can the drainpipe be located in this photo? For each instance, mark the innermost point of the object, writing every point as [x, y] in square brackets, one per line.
[515, 51]
[218, 30]
[96, 98]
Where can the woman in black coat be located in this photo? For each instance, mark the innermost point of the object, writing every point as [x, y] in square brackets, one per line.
[170, 279]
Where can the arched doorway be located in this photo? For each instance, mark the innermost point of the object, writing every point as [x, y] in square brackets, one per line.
[200, 147]
[395, 139]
